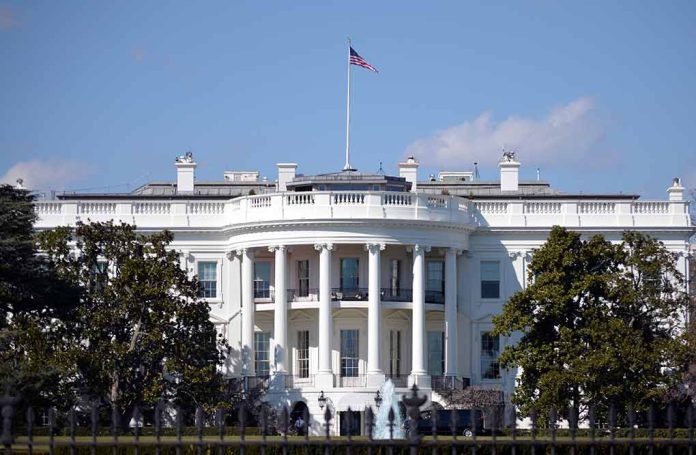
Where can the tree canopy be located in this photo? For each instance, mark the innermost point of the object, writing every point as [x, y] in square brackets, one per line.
[142, 333]
[599, 323]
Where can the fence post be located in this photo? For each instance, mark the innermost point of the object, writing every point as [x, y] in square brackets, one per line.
[413, 403]
[8, 404]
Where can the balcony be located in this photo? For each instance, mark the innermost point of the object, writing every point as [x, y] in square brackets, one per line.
[434, 297]
[350, 381]
[294, 381]
[397, 295]
[449, 383]
[303, 295]
[349, 294]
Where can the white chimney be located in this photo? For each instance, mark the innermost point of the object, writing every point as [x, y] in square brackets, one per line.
[676, 191]
[185, 173]
[409, 170]
[509, 172]
[286, 172]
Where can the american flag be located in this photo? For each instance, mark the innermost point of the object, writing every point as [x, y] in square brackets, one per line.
[356, 59]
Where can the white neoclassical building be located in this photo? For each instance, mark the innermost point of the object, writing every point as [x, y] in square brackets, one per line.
[328, 284]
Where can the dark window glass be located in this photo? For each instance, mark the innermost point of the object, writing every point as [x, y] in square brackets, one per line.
[303, 278]
[490, 279]
[207, 275]
[303, 353]
[349, 275]
[490, 349]
[349, 353]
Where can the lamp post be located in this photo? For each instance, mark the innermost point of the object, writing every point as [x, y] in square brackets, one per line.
[322, 401]
[378, 399]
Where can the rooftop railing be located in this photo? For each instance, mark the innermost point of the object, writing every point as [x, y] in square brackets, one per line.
[367, 205]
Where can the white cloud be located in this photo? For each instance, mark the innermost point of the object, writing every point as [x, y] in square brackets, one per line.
[8, 18]
[45, 174]
[568, 133]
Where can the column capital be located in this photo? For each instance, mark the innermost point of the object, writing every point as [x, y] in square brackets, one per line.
[231, 254]
[321, 246]
[528, 255]
[515, 254]
[374, 247]
[423, 248]
[244, 251]
[456, 251]
[273, 248]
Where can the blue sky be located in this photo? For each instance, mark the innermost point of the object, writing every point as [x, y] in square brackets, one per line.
[601, 95]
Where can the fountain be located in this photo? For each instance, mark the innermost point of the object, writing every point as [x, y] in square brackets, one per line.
[389, 401]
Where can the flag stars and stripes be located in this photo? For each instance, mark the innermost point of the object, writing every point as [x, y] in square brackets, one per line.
[356, 59]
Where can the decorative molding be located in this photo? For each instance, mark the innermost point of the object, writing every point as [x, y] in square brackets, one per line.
[424, 248]
[375, 246]
[514, 254]
[274, 248]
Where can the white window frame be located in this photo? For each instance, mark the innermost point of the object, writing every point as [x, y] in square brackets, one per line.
[218, 276]
[500, 280]
[478, 330]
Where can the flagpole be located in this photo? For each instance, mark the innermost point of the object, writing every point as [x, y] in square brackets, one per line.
[347, 166]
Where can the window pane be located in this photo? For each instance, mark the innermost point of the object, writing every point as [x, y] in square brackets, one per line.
[262, 279]
[435, 276]
[349, 274]
[303, 278]
[436, 353]
[490, 279]
[303, 353]
[207, 275]
[349, 353]
[490, 349]
[262, 353]
[395, 353]
[395, 277]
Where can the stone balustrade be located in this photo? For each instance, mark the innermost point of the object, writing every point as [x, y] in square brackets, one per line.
[366, 205]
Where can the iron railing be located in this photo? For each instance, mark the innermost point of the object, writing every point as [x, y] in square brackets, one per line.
[261, 430]
[307, 295]
[397, 295]
[434, 297]
[349, 294]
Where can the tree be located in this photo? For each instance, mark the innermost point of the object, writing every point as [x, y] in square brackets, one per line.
[34, 303]
[143, 333]
[600, 324]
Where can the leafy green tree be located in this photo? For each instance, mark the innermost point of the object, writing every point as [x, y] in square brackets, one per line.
[34, 303]
[600, 323]
[142, 332]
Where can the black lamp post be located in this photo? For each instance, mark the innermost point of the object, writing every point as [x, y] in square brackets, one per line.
[378, 399]
[322, 400]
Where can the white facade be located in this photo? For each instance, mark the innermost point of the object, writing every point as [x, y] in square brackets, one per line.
[334, 291]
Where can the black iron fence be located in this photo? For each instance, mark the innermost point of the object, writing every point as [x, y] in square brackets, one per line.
[668, 430]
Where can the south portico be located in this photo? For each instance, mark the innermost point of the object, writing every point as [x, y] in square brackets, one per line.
[336, 291]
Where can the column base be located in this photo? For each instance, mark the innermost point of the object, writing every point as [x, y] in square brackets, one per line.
[324, 381]
[375, 379]
[421, 380]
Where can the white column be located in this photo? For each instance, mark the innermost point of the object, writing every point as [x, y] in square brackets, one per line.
[280, 317]
[248, 367]
[451, 312]
[324, 377]
[418, 372]
[375, 375]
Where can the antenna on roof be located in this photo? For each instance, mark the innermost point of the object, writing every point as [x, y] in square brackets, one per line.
[380, 171]
[476, 172]
[538, 174]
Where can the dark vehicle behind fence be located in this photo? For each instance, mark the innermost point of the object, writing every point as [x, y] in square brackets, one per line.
[466, 422]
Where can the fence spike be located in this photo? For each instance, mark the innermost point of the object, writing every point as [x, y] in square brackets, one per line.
[51, 429]
[391, 418]
[327, 421]
[285, 421]
[220, 420]
[453, 422]
[434, 417]
[612, 420]
[592, 421]
[30, 429]
[369, 422]
[553, 417]
[306, 418]
[349, 425]
[264, 422]
[94, 419]
[158, 419]
[200, 421]
[136, 418]
[573, 417]
[533, 418]
[242, 420]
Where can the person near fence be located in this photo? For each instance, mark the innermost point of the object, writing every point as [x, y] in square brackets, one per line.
[299, 426]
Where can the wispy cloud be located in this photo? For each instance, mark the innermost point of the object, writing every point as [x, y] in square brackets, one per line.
[567, 134]
[8, 18]
[49, 174]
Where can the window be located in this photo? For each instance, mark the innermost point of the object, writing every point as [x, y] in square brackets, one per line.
[207, 275]
[303, 353]
[262, 353]
[349, 353]
[303, 278]
[394, 277]
[436, 353]
[490, 279]
[435, 281]
[490, 349]
[394, 353]
[349, 274]
[99, 275]
[262, 280]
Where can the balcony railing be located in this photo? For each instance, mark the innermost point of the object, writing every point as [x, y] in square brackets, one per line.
[264, 294]
[351, 381]
[349, 294]
[397, 295]
[434, 297]
[449, 382]
[399, 381]
[307, 295]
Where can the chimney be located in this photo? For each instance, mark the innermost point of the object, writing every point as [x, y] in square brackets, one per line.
[509, 172]
[676, 191]
[409, 170]
[185, 173]
[286, 172]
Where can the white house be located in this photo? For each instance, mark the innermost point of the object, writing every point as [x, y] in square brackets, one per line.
[331, 283]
